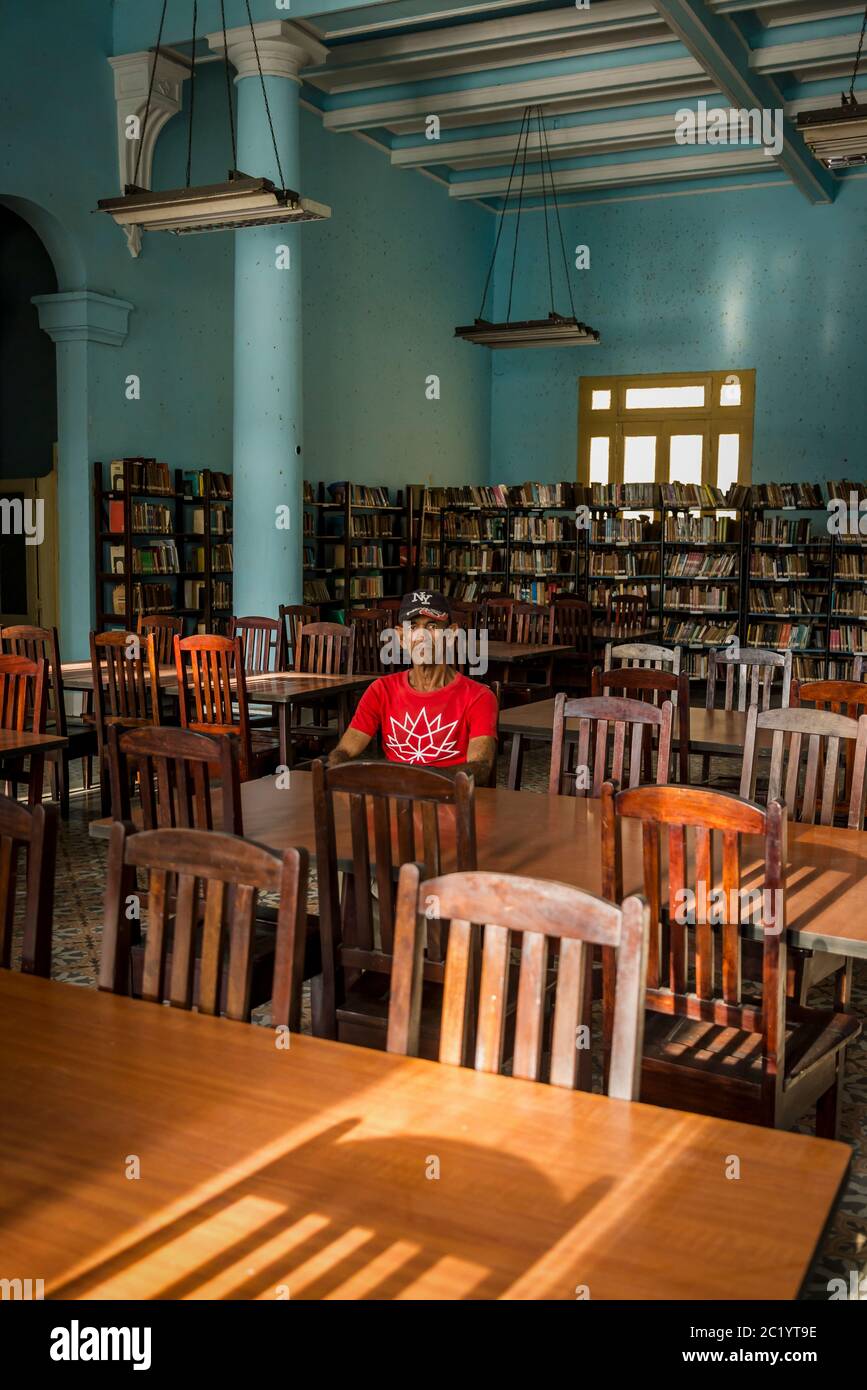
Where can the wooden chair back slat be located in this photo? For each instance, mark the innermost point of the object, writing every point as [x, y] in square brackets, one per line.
[655, 685]
[626, 613]
[32, 829]
[326, 649]
[542, 912]
[40, 644]
[260, 643]
[497, 615]
[176, 770]
[596, 714]
[531, 623]
[375, 791]
[696, 915]
[369, 624]
[825, 733]
[163, 629]
[573, 625]
[756, 668]
[23, 694]
[212, 691]
[189, 870]
[292, 615]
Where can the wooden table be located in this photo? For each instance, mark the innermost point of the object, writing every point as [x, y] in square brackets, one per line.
[560, 838]
[33, 746]
[304, 1172]
[713, 731]
[281, 689]
[509, 652]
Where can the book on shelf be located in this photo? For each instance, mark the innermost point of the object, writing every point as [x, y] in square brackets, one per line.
[117, 559]
[848, 637]
[115, 516]
[144, 475]
[159, 558]
[359, 495]
[477, 558]
[616, 529]
[780, 635]
[700, 598]
[780, 530]
[703, 495]
[707, 530]
[150, 517]
[539, 590]
[383, 526]
[221, 593]
[365, 555]
[794, 495]
[851, 602]
[221, 521]
[766, 599]
[541, 495]
[622, 495]
[366, 586]
[308, 494]
[844, 488]
[194, 593]
[194, 483]
[222, 556]
[701, 564]
[768, 566]
[316, 591]
[705, 633]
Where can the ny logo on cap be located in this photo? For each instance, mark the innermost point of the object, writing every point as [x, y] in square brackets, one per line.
[420, 596]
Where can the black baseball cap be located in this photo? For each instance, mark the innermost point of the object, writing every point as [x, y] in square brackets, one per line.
[425, 603]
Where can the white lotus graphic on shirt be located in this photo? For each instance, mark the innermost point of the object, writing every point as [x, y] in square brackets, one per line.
[421, 740]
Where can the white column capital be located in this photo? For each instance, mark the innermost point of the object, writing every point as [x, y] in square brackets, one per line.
[83, 316]
[284, 49]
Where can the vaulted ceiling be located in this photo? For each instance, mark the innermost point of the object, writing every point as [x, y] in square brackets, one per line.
[609, 77]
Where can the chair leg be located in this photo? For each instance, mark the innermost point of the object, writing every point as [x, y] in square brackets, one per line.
[828, 1105]
[63, 776]
[88, 772]
[54, 774]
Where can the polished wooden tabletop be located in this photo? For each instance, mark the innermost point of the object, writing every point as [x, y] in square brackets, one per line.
[13, 742]
[560, 838]
[523, 651]
[272, 688]
[710, 730]
[323, 1170]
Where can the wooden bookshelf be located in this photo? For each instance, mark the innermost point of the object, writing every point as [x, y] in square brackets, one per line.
[700, 592]
[786, 600]
[146, 552]
[356, 546]
[621, 545]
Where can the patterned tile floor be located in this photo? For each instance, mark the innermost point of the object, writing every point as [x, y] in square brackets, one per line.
[78, 923]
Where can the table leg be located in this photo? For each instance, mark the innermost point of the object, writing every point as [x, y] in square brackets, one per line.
[516, 763]
[283, 714]
[36, 780]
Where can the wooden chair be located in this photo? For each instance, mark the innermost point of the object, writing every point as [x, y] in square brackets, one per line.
[627, 721]
[573, 627]
[326, 649]
[839, 697]
[709, 1045]
[175, 769]
[35, 829]
[229, 873]
[542, 913]
[356, 957]
[626, 613]
[126, 690]
[644, 656]
[497, 610]
[260, 642]
[41, 643]
[368, 625]
[653, 685]
[164, 630]
[532, 624]
[818, 733]
[212, 693]
[817, 786]
[468, 614]
[292, 615]
[756, 669]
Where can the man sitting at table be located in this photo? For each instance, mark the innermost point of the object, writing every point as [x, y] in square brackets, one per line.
[430, 713]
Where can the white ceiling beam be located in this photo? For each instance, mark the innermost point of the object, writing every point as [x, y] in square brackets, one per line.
[745, 160]
[489, 102]
[805, 53]
[601, 137]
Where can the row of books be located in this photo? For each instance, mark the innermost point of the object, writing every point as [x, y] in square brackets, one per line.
[147, 517]
[366, 587]
[848, 638]
[707, 634]
[692, 563]
[620, 530]
[780, 530]
[159, 558]
[543, 528]
[539, 562]
[316, 591]
[786, 600]
[852, 601]
[850, 566]
[372, 526]
[780, 635]
[360, 495]
[845, 489]
[538, 590]
[473, 528]
[624, 563]
[766, 566]
[480, 558]
[194, 484]
[363, 555]
[700, 597]
[797, 495]
[599, 594]
[140, 475]
[707, 529]
[146, 598]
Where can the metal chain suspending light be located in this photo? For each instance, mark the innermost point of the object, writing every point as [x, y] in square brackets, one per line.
[556, 330]
[243, 201]
[837, 135]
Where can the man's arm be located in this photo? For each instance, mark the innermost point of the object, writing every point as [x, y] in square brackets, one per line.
[481, 753]
[352, 745]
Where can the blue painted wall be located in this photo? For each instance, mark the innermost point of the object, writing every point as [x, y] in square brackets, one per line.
[757, 278]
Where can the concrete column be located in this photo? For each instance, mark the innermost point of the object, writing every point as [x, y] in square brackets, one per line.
[268, 463]
[76, 321]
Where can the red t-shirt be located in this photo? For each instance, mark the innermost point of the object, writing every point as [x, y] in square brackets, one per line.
[431, 726]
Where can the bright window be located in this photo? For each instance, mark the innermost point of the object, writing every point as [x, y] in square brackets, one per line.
[688, 427]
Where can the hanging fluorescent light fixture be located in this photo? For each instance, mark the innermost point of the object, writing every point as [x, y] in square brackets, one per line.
[837, 135]
[242, 201]
[557, 330]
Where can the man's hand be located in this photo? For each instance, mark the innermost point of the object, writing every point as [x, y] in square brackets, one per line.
[352, 745]
[481, 753]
